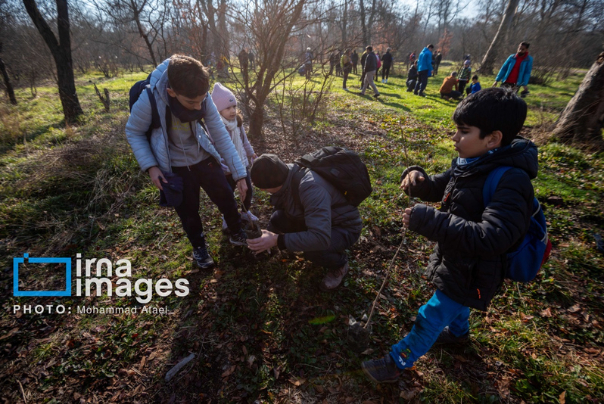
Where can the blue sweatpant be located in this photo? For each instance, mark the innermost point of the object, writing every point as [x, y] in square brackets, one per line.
[432, 318]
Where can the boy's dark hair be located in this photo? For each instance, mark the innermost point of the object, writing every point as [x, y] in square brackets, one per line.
[187, 76]
[370, 49]
[492, 109]
[430, 46]
[453, 74]
[474, 77]
[525, 44]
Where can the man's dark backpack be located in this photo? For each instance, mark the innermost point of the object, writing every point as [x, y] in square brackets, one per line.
[340, 167]
[135, 91]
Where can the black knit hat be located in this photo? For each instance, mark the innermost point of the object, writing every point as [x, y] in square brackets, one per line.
[268, 171]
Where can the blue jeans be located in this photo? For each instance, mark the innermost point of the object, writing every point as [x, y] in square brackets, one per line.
[432, 318]
[422, 81]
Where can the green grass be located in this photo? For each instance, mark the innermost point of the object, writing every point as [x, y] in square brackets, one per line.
[260, 328]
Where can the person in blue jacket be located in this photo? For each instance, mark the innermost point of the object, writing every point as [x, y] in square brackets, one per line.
[474, 87]
[181, 148]
[424, 70]
[516, 71]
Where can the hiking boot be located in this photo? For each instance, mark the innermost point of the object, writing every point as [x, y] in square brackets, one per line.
[382, 370]
[249, 216]
[409, 90]
[238, 238]
[422, 94]
[524, 93]
[447, 337]
[333, 279]
[202, 257]
[415, 93]
[376, 96]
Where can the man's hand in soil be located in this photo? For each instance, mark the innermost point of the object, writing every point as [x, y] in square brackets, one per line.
[263, 243]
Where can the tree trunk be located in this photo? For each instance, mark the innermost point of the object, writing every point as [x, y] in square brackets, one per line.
[488, 61]
[583, 118]
[7, 84]
[141, 31]
[61, 52]
[345, 26]
[363, 26]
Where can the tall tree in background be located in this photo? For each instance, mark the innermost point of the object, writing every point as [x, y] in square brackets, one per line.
[7, 83]
[61, 53]
[583, 118]
[270, 24]
[488, 61]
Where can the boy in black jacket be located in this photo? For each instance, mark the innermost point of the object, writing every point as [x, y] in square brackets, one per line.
[467, 266]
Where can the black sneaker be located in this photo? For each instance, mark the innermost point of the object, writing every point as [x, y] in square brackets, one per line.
[447, 337]
[238, 238]
[202, 257]
[382, 370]
[376, 96]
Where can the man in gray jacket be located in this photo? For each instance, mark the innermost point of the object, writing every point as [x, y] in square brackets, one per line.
[317, 219]
[180, 147]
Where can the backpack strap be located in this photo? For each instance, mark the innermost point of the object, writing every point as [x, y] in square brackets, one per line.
[155, 120]
[295, 184]
[490, 185]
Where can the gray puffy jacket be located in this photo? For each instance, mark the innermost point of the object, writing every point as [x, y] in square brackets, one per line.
[155, 152]
[318, 199]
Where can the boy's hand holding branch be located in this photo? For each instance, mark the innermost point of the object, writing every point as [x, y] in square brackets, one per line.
[411, 180]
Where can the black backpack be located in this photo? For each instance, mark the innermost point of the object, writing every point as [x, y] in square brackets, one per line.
[135, 91]
[340, 167]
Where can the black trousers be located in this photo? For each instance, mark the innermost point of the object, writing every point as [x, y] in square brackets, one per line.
[422, 82]
[208, 175]
[345, 72]
[333, 257]
[385, 71]
[462, 85]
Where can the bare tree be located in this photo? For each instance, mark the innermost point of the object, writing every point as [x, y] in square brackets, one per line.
[488, 61]
[270, 24]
[61, 52]
[583, 118]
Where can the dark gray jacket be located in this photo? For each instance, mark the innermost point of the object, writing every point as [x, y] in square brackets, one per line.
[472, 241]
[318, 198]
[371, 62]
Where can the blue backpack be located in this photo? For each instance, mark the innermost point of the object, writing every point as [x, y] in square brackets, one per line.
[524, 262]
[135, 91]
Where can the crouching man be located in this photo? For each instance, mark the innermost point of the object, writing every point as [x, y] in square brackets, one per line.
[310, 215]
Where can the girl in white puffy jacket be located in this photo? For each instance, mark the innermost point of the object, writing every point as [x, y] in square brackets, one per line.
[226, 104]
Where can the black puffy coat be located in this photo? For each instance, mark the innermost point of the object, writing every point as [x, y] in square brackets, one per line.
[468, 263]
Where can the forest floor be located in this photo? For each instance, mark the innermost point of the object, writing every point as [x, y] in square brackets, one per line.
[259, 328]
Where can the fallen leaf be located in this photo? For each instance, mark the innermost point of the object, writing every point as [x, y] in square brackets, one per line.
[297, 381]
[574, 308]
[546, 313]
[276, 371]
[562, 398]
[229, 371]
[143, 363]
[408, 394]
[368, 351]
